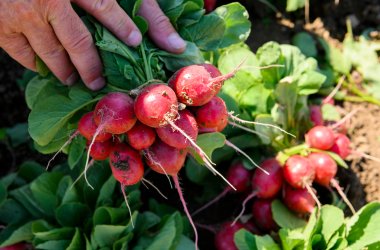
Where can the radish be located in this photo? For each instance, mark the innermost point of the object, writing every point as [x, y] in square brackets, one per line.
[264, 185]
[127, 168]
[156, 105]
[87, 128]
[298, 199]
[262, 215]
[325, 171]
[320, 137]
[224, 239]
[114, 113]
[210, 5]
[316, 115]
[17, 246]
[299, 173]
[213, 116]
[341, 146]
[214, 71]
[187, 123]
[100, 150]
[252, 227]
[238, 176]
[140, 136]
[196, 85]
[165, 159]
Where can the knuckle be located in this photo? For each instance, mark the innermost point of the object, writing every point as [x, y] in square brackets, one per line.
[103, 5]
[80, 44]
[161, 22]
[53, 52]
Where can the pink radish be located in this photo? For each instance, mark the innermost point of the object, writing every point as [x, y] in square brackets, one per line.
[87, 128]
[264, 185]
[325, 171]
[141, 136]
[224, 239]
[238, 176]
[316, 115]
[156, 105]
[114, 113]
[165, 159]
[100, 150]
[341, 146]
[262, 215]
[320, 137]
[213, 116]
[187, 123]
[195, 85]
[17, 246]
[252, 227]
[210, 5]
[127, 168]
[298, 200]
[214, 71]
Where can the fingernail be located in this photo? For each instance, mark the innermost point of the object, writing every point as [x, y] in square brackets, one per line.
[97, 84]
[72, 79]
[134, 38]
[176, 42]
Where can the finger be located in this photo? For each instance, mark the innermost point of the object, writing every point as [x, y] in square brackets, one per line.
[112, 16]
[160, 28]
[77, 40]
[18, 47]
[46, 45]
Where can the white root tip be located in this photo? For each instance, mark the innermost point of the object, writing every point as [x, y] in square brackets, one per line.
[151, 184]
[126, 203]
[247, 129]
[61, 148]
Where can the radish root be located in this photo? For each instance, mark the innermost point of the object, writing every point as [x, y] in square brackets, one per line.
[149, 156]
[249, 197]
[311, 192]
[218, 197]
[143, 180]
[126, 202]
[338, 188]
[71, 138]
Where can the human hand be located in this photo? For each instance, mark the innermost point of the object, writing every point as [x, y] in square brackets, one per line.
[52, 30]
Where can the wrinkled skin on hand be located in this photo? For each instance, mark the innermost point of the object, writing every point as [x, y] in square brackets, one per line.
[52, 30]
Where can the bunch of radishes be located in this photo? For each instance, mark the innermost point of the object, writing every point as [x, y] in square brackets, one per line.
[160, 125]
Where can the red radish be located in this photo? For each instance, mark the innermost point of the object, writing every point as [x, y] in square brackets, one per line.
[298, 200]
[252, 227]
[126, 164]
[195, 85]
[214, 71]
[325, 167]
[156, 105]
[187, 123]
[87, 128]
[100, 150]
[298, 172]
[264, 185]
[210, 5]
[17, 246]
[165, 159]
[341, 146]
[224, 239]
[320, 137]
[325, 171]
[141, 136]
[213, 116]
[316, 115]
[238, 176]
[262, 215]
[114, 113]
[127, 168]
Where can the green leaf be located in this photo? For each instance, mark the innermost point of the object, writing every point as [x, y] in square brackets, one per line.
[30, 170]
[208, 143]
[310, 82]
[44, 191]
[53, 113]
[72, 214]
[169, 235]
[330, 113]
[11, 212]
[270, 54]
[25, 197]
[265, 133]
[106, 192]
[237, 24]
[173, 62]
[306, 43]
[18, 134]
[336, 58]
[146, 221]
[55, 234]
[199, 33]
[195, 171]
[363, 227]
[245, 240]
[66, 192]
[291, 239]
[54, 245]
[284, 217]
[109, 215]
[77, 242]
[76, 149]
[185, 243]
[23, 233]
[266, 243]
[293, 5]
[41, 67]
[332, 219]
[106, 235]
